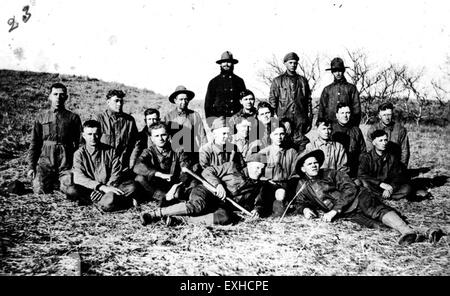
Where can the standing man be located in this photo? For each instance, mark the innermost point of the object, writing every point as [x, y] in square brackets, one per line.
[119, 129]
[397, 134]
[186, 125]
[54, 138]
[97, 174]
[290, 96]
[349, 136]
[340, 91]
[222, 95]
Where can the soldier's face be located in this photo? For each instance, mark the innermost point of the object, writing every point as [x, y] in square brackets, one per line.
[311, 167]
[277, 136]
[243, 128]
[291, 65]
[151, 119]
[57, 98]
[221, 135]
[324, 131]
[380, 143]
[264, 115]
[248, 102]
[385, 116]
[91, 136]
[160, 137]
[181, 101]
[338, 74]
[115, 104]
[343, 115]
[255, 169]
[227, 66]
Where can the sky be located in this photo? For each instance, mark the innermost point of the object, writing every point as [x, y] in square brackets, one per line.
[161, 44]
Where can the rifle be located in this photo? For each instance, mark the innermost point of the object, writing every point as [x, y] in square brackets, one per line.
[213, 190]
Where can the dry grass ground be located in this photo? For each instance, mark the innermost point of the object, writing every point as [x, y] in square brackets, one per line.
[39, 231]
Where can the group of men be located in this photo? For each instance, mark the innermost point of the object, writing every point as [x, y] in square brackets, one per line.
[259, 159]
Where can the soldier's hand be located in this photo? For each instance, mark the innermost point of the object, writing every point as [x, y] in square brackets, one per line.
[327, 217]
[255, 215]
[308, 213]
[387, 187]
[31, 174]
[167, 177]
[386, 194]
[220, 192]
[106, 189]
[171, 194]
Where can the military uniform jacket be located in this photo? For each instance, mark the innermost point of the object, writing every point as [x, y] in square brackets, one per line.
[340, 92]
[222, 95]
[213, 155]
[290, 96]
[335, 155]
[280, 164]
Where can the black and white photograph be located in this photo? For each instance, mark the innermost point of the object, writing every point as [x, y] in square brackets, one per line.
[224, 138]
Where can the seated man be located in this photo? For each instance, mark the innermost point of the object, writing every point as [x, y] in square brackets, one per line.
[335, 193]
[206, 207]
[349, 136]
[97, 172]
[382, 172]
[158, 168]
[151, 116]
[299, 141]
[335, 155]
[220, 150]
[280, 169]
[397, 134]
[241, 138]
[248, 110]
[186, 125]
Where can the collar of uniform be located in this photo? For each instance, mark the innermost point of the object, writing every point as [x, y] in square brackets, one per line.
[376, 156]
[218, 148]
[275, 149]
[114, 115]
[92, 150]
[183, 113]
[321, 142]
[342, 81]
[59, 110]
[383, 126]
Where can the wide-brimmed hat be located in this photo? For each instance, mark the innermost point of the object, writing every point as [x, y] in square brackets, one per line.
[337, 64]
[318, 154]
[181, 90]
[227, 56]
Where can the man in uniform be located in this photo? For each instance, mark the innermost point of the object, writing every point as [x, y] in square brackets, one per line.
[151, 116]
[290, 96]
[335, 194]
[248, 110]
[97, 174]
[397, 134]
[222, 95]
[119, 129]
[340, 91]
[206, 207]
[54, 138]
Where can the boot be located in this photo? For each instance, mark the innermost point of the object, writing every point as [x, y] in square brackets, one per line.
[178, 209]
[394, 221]
[150, 217]
[434, 235]
[277, 208]
[172, 221]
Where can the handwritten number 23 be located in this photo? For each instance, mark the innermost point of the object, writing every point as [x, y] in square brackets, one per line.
[12, 21]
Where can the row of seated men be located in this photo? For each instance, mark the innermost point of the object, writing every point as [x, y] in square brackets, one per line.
[118, 167]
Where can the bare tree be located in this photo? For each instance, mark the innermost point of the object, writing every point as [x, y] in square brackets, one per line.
[411, 81]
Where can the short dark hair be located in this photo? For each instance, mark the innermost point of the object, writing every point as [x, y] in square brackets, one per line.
[158, 125]
[151, 111]
[342, 105]
[245, 93]
[265, 105]
[385, 106]
[377, 134]
[91, 124]
[324, 121]
[115, 93]
[59, 86]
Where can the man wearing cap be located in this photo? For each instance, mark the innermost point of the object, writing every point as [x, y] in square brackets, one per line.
[158, 168]
[186, 125]
[381, 170]
[290, 96]
[340, 91]
[335, 155]
[151, 116]
[335, 194]
[222, 95]
[119, 129]
[349, 136]
[206, 207]
[280, 168]
[54, 138]
[397, 134]
[247, 101]
[97, 174]
[220, 150]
